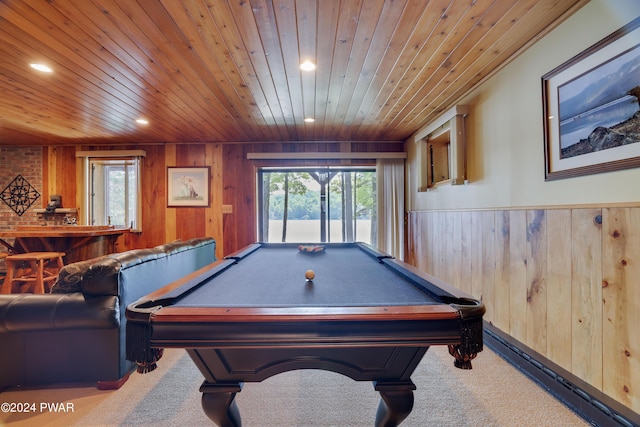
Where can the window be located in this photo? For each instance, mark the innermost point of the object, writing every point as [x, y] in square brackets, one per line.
[112, 187]
[443, 150]
[317, 205]
[438, 154]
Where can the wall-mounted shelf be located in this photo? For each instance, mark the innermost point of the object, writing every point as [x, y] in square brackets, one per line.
[57, 216]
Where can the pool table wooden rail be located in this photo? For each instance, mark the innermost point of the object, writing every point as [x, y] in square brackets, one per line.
[303, 314]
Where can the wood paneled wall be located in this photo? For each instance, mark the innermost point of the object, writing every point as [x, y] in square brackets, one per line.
[231, 217]
[564, 282]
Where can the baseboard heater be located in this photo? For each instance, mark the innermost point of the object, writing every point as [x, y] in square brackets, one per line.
[585, 400]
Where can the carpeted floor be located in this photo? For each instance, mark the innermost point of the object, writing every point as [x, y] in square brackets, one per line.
[492, 394]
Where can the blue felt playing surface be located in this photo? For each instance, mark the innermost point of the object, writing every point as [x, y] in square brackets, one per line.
[275, 277]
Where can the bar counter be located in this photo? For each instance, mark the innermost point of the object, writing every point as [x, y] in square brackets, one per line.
[79, 242]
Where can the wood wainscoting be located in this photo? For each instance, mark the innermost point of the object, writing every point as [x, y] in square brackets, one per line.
[563, 281]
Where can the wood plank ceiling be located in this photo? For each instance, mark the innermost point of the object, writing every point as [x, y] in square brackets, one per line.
[228, 71]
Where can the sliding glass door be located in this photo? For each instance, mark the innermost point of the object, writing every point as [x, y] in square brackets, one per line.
[317, 205]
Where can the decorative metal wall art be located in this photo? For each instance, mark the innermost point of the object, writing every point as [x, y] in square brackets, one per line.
[19, 195]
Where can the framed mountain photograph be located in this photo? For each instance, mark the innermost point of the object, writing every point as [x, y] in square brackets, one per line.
[591, 108]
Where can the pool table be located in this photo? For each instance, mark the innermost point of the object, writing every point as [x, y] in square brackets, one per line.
[254, 314]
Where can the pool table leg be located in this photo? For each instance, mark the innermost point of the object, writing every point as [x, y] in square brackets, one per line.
[218, 402]
[396, 402]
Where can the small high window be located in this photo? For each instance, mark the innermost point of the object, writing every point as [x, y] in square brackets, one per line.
[443, 150]
[438, 157]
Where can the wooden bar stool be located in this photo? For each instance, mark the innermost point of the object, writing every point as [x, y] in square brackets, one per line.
[3, 255]
[32, 270]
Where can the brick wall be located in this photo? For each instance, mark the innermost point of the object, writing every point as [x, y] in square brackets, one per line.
[25, 161]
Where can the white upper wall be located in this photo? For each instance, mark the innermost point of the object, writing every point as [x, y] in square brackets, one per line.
[505, 152]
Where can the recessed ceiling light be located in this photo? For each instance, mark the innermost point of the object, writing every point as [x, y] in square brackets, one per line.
[41, 67]
[309, 120]
[307, 66]
[142, 121]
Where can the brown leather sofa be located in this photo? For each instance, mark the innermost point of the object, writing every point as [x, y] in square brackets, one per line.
[76, 334]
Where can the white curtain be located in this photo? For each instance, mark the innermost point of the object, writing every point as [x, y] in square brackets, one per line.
[390, 183]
